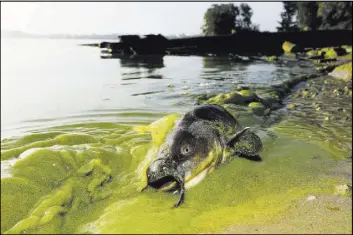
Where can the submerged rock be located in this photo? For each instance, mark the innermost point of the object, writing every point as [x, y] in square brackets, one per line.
[257, 108]
[242, 97]
[329, 53]
[326, 53]
[343, 72]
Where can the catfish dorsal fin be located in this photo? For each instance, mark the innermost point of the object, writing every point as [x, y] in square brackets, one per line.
[236, 136]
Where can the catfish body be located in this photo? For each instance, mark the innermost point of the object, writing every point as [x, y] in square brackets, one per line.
[201, 139]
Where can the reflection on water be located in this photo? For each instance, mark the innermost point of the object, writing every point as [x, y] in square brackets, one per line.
[141, 66]
[221, 68]
[65, 80]
[140, 61]
[223, 63]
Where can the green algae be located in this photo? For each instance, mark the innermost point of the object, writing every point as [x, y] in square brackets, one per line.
[160, 128]
[313, 53]
[18, 195]
[272, 58]
[241, 97]
[29, 139]
[326, 52]
[91, 185]
[246, 93]
[347, 48]
[288, 47]
[257, 108]
[220, 98]
[220, 196]
[46, 210]
[270, 97]
[86, 184]
[61, 139]
[329, 52]
[256, 105]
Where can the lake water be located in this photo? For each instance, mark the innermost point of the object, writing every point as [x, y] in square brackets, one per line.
[73, 153]
[47, 82]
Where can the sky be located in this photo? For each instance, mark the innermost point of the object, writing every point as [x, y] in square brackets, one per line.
[168, 18]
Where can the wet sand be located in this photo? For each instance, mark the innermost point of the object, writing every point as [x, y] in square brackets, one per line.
[323, 215]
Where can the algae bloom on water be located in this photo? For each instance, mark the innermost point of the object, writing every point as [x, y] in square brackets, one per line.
[86, 178]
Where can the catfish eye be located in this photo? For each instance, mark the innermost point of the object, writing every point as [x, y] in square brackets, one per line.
[185, 149]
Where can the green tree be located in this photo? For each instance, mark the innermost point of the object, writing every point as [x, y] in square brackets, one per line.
[335, 15]
[220, 19]
[287, 24]
[228, 18]
[243, 22]
[316, 16]
[307, 15]
[245, 16]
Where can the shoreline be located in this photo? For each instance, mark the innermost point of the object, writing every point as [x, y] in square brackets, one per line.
[242, 43]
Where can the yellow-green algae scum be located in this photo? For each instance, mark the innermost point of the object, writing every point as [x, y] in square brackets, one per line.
[86, 179]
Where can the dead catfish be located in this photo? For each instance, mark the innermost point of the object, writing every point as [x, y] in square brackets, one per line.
[201, 140]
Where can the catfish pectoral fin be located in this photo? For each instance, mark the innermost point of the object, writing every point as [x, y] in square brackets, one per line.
[181, 197]
[235, 137]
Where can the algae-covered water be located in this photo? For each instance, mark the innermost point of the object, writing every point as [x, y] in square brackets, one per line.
[76, 136]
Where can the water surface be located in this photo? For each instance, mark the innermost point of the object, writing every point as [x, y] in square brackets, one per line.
[45, 82]
[74, 153]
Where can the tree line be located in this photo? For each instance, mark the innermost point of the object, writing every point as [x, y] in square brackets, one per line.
[302, 16]
[222, 19]
[225, 19]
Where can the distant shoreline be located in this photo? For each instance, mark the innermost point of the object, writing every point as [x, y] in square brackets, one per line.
[113, 36]
[20, 34]
[60, 38]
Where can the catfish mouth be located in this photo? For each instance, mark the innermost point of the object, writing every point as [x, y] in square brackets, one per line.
[162, 183]
[168, 183]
